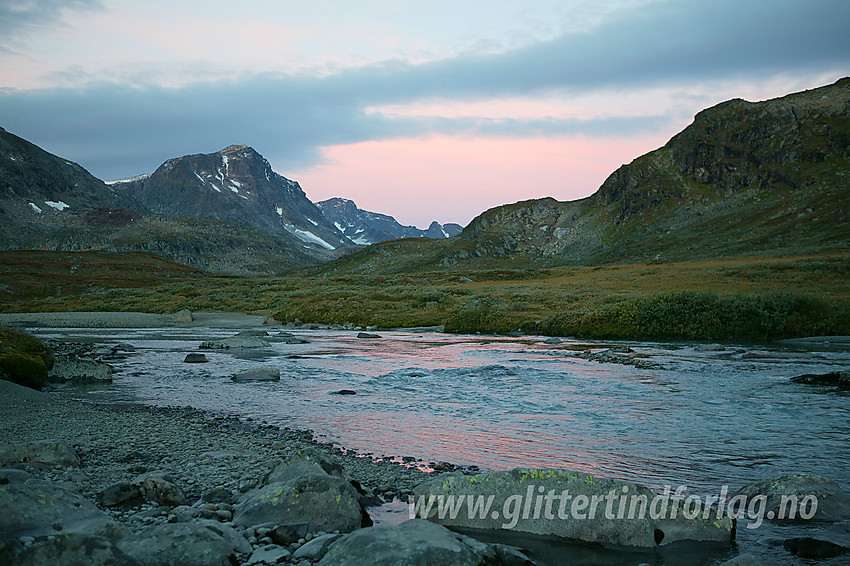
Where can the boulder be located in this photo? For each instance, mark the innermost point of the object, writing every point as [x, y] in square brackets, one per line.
[709, 348]
[80, 370]
[156, 487]
[367, 335]
[233, 537]
[624, 514]
[43, 452]
[269, 554]
[184, 315]
[234, 342]
[326, 503]
[344, 392]
[256, 374]
[833, 504]
[195, 358]
[288, 533]
[75, 549]
[187, 544]
[840, 379]
[119, 493]
[808, 547]
[552, 340]
[743, 560]
[37, 508]
[253, 332]
[418, 542]
[304, 462]
[316, 548]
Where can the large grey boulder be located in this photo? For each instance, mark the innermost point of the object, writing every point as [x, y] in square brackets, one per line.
[234, 342]
[304, 462]
[43, 452]
[832, 503]
[36, 508]
[256, 374]
[414, 543]
[187, 544]
[326, 503]
[624, 513]
[73, 549]
[80, 370]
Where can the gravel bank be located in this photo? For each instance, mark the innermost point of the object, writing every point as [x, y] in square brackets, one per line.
[202, 453]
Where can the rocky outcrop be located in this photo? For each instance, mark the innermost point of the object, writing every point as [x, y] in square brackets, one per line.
[43, 452]
[839, 379]
[622, 516]
[800, 491]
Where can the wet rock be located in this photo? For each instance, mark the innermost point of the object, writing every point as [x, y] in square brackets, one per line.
[74, 549]
[234, 342]
[288, 533]
[80, 370]
[195, 359]
[256, 374]
[184, 315]
[118, 494]
[709, 348]
[367, 335]
[159, 488]
[412, 542]
[325, 503]
[344, 392]
[833, 504]
[576, 519]
[808, 547]
[36, 508]
[839, 379]
[552, 340]
[187, 544]
[253, 332]
[304, 462]
[45, 452]
[238, 542]
[269, 554]
[294, 340]
[316, 548]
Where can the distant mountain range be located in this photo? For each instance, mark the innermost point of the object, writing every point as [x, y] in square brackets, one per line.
[366, 228]
[226, 212]
[744, 178]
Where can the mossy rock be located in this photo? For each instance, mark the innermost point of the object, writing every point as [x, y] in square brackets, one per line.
[29, 371]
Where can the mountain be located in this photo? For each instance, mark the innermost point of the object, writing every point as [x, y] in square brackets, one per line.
[366, 228]
[237, 184]
[743, 179]
[49, 203]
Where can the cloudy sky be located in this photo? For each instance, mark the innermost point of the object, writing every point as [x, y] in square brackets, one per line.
[424, 110]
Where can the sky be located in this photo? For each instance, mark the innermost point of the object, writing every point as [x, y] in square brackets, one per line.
[427, 111]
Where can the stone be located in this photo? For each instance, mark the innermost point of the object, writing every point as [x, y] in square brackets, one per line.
[833, 504]
[417, 542]
[253, 332]
[552, 340]
[367, 335]
[43, 452]
[269, 554]
[37, 508]
[184, 315]
[119, 493]
[80, 370]
[187, 544]
[156, 487]
[316, 548]
[195, 358]
[808, 547]
[75, 549]
[288, 533]
[326, 503]
[840, 379]
[238, 542]
[743, 560]
[234, 342]
[577, 519]
[344, 392]
[256, 374]
[709, 348]
[304, 462]
[464, 279]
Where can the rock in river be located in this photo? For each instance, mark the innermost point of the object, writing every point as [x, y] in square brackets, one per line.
[234, 342]
[832, 503]
[256, 374]
[628, 519]
[195, 359]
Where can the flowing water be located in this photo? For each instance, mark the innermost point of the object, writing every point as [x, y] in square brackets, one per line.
[704, 419]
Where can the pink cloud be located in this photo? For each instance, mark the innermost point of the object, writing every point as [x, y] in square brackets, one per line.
[454, 179]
